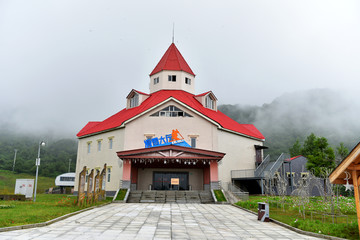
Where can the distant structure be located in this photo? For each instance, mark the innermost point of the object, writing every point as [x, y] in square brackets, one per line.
[65, 180]
[170, 138]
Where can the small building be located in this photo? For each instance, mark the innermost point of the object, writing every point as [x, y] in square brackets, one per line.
[348, 173]
[170, 138]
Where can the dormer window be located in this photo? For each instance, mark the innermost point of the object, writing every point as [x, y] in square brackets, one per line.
[156, 80]
[209, 102]
[134, 100]
[172, 78]
[188, 81]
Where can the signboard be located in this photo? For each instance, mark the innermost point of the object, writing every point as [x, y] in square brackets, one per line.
[175, 138]
[81, 189]
[175, 181]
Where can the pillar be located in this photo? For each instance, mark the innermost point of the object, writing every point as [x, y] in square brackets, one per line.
[126, 180]
[214, 179]
[134, 178]
[356, 193]
[206, 175]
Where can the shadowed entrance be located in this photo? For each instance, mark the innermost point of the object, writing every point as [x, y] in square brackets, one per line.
[156, 168]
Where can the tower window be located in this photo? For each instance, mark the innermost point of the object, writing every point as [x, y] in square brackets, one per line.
[172, 78]
[188, 81]
[156, 80]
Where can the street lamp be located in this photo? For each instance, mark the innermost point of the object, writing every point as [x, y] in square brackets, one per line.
[37, 163]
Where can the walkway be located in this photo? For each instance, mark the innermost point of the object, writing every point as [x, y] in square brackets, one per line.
[159, 221]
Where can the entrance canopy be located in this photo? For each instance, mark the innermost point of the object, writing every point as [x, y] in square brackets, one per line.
[170, 156]
[164, 161]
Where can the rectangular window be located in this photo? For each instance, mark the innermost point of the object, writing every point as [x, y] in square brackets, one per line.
[134, 101]
[188, 81]
[108, 173]
[110, 143]
[209, 102]
[290, 183]
[193, 142]
[156, 80]
[172, 78]
[88, 147]
[99, 146]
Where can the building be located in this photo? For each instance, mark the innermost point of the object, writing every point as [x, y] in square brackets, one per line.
[170, 138]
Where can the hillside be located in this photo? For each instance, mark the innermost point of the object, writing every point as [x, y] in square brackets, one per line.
[296, 115]
[8, 180]
[54, 156]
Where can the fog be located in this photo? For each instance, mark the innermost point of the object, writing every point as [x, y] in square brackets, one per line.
[64, 63]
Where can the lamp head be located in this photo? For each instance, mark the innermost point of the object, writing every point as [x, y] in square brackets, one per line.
[42, 143]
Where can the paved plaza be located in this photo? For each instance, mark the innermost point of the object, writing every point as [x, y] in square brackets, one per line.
[159, 221]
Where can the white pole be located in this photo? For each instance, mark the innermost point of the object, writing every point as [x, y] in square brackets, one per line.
[69, 164]
[42, 143]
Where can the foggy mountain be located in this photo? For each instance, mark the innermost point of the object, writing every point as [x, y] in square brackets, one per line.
[295, 115]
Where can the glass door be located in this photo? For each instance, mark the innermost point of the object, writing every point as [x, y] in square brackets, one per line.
[163, 180]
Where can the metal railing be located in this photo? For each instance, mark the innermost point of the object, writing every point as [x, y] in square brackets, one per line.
[246, 173]
[259, 170]
[238, 192]
[276, 165]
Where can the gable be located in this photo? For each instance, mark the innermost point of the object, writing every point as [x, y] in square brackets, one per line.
[185, 99]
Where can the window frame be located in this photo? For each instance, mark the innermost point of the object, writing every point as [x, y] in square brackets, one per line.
[172, 78]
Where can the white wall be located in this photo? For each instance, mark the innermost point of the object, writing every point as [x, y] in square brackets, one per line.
[240, 153]
[97, 159]
[178, 85]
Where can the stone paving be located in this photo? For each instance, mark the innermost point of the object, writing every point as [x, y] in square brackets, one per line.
[159, 221]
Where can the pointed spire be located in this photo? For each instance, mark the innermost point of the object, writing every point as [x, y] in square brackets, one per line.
[172, 60]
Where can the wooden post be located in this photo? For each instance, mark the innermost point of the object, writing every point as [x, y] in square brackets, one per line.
[356, 193]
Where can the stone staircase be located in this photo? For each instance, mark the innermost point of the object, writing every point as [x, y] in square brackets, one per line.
[137, 196]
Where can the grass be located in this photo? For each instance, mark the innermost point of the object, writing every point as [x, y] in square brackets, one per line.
[121, 194]
[219, 196]
[8, 180]
[46, 207]
[289, 214]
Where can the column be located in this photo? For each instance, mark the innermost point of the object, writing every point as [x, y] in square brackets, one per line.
[214, 179]
[134, 178]
[126, 180]
[356, 193]
[206, 175]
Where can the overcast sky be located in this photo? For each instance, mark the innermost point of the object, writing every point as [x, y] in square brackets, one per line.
[64, 63]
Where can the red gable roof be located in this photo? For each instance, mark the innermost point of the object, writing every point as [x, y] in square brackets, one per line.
[172, 60]
[157, 97]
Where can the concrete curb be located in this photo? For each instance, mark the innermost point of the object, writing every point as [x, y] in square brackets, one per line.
[34, 225]
[293, 228]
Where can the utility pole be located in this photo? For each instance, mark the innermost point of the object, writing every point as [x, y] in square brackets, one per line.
[69, 164]
[14, 159]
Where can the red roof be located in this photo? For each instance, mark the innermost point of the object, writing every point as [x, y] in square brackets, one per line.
[157, 97]
[293, 158]
[172, 60]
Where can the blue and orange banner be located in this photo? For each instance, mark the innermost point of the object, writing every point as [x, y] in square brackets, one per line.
[175, 138]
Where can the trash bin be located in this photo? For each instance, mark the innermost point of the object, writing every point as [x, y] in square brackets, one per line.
[263, 212]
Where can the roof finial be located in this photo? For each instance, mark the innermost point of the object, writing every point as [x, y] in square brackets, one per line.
[173, 33]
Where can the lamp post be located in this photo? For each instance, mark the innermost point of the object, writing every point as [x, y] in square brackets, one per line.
[37, 163]
[69, 164]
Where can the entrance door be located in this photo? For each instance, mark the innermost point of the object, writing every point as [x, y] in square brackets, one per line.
[162, 180]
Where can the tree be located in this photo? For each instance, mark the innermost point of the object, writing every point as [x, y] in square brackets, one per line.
[341, 153]
[319, 154]
[295, 150]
